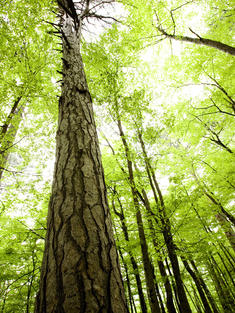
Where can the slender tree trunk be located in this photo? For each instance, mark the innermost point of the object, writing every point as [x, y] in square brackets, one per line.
[127, 282]
[132, 259]
[167, 285]
[196, 301]
[169, 295]
[228, 255]
[80, 269]
[205, 288]
[30, 283]
[228, 230]
[174, 287]
[228, 270]
[224, 218]
[222, 210]
[166, 230]
[224, 282]
[161, 303]
[148, 268]
[139, 285]
[197, 282]
[223, 295]
[8, 133]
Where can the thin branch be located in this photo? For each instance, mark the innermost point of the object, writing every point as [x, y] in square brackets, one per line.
[199, 41]
[6, 170]
[2, 151]
[219, 110]
[216, 139]
[173, 21]
[217, 84]
[30, 229]
[195, 33]
[180, 6]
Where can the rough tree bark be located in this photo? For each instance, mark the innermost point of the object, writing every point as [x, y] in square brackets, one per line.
[80, 269]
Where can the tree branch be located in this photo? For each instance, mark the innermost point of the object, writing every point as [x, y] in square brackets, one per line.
[199, 41]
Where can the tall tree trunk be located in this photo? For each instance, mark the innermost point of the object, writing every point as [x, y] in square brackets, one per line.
[228, 270]
[167, 285]
[197, 282]
[205, 288]
[132, 258]
[148, 267]
[228, 230]
[223, 295]
[128, 283]
[166, 229]
[174, 287]
[224, 218]
[80, 269]
[196, 301]
[228, 255]
[224, 282]
[161, 302]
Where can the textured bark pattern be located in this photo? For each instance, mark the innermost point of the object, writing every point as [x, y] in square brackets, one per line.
[80, 270]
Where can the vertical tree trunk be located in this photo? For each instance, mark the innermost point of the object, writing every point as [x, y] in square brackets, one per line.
[196, 300]
[148, 267]
[80, 269]
[174, 287]
[31, 280]
[228, 271]
[161, 302]
[205, 288]
[224, 282]
[166, 229]
[197, 282]
[223, 295]
[132, 259]
[167, 285]
[228, 230]
[128, 283]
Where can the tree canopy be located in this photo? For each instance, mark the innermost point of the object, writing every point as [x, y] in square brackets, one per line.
[161, 79]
